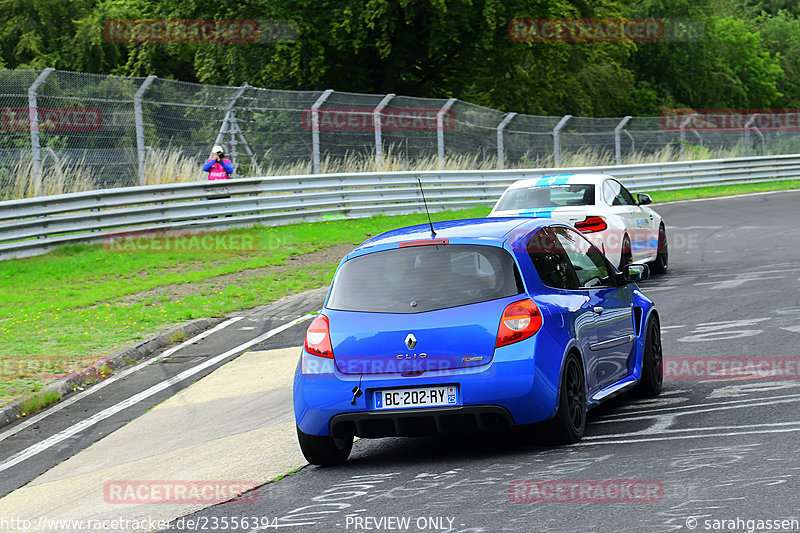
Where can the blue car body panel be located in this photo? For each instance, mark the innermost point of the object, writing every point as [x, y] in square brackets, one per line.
[522, 378]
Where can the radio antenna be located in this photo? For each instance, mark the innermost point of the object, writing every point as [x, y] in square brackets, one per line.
[433, 233]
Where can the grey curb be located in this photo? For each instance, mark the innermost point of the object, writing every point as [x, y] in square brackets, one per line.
[13, 411]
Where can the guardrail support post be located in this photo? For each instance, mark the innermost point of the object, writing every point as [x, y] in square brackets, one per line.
[315, 130]
[139, 120]
[376, 123]
[33, 114]
[557, 140]
[501, 156]
[618, 139]
[685, 122]
[440, 129]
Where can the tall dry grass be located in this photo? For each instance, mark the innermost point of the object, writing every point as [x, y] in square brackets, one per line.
[61, 176]
[172, 165]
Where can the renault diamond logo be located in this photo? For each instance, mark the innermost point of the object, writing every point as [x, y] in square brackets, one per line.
[411, 341]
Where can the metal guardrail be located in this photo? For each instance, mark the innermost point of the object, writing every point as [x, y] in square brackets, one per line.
[35, 225]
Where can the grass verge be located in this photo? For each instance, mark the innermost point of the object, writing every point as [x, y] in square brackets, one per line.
[39, 401]
[287, 474]
[723, 190]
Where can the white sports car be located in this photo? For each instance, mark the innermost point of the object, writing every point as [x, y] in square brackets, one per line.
[598, 205]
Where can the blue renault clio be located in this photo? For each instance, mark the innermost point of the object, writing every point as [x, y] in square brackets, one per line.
[472, 325]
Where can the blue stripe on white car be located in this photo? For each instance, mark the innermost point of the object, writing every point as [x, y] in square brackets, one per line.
[549, 181]
[541, 212]
[645, 244]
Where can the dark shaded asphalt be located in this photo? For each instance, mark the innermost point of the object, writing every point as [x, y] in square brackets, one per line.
[716, 451]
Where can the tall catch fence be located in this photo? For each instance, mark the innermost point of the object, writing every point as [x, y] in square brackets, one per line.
[63, 132]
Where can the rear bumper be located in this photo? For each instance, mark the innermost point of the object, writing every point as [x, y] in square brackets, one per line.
[420, 422]
[515, 389]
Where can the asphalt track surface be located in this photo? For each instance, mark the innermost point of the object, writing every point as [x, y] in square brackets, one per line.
[718, 455]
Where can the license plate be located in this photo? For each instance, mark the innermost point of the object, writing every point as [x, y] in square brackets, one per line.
[416, 397]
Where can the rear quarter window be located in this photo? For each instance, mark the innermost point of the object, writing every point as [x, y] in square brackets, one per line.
[424, 278]
[553, 196]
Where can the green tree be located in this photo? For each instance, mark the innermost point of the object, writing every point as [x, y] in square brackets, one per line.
[436, 48]
[727, 67]
[780, 35]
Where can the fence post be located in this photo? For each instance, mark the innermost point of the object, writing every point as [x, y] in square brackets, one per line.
[618, 140]
[440, 129]
[376, 123]
[139, 120]
[33, 114]
[763, 142]
[500, 147]
[557, 140]
[749, 126]
[685, 122]
[315, 130]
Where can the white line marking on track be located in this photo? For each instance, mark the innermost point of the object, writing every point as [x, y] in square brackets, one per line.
[698, 408]
[125, 373]
[682, 437]
[689, 430]
[133, 400]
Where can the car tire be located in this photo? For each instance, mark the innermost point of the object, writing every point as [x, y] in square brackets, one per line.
[652, 380]
[659, 266]
[625, 255]
[324, 451]
[569, 422]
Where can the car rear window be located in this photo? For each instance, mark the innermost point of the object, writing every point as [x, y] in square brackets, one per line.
[424, 278]
[552, 196]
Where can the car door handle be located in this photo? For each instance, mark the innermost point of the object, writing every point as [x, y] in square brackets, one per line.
[597, 309]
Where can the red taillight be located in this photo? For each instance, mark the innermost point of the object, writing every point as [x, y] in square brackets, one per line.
[520, 320]
[592, 224]
[318, 338]
[424, 242]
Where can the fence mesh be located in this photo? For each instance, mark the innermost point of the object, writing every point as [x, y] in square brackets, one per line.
[90, 135]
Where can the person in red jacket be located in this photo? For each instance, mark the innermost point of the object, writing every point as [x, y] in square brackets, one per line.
[217, 166]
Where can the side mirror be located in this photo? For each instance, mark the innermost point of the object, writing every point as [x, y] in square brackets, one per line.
[643, 199]
[635, 272]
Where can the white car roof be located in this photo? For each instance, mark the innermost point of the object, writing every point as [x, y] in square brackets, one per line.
[582, 179]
